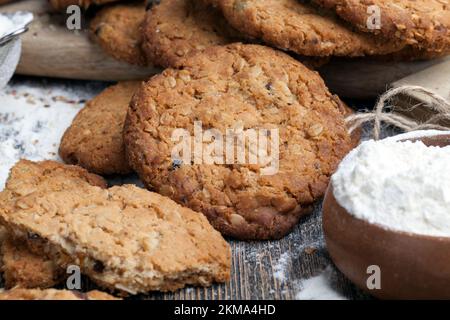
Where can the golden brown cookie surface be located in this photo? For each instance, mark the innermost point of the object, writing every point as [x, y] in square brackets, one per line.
[94, 139]
[425, 24]
[225, 87]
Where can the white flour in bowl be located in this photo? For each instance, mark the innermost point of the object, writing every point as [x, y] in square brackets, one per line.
[403, 186]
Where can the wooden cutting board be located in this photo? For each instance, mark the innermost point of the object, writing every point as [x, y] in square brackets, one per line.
[50, 49]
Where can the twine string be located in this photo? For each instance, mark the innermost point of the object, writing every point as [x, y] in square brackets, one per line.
[439, 107]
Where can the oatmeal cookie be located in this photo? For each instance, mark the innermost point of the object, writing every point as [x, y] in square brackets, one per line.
[117, 29]
[124, 238]
[94, 140]
[226, 87]
[176, 28]
[298, 26]
[53, 294]
[425, 24]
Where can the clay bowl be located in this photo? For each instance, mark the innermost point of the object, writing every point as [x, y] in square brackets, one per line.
[412, 266]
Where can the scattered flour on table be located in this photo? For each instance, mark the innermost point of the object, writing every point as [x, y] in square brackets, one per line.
[33, 118]
[319, 287]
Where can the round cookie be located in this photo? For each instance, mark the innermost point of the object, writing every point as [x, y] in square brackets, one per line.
[175, 28]
[117, 29]
[94, 140]
[301, 27]
[225, 87]
[63, 4]
[424, 24]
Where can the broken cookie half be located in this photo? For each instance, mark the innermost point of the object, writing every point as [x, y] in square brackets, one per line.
[123, 238]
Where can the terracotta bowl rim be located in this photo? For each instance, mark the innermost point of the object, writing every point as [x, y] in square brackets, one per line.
[330, 193]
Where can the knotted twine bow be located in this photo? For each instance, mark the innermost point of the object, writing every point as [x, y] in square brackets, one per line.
[438, 106]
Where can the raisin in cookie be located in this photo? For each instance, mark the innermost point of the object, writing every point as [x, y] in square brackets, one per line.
[94, 140]
[225, 87]
[422, 23]
[124, 238]
[300, 27]
[117, 29]
[176, 28]
[53, 294]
